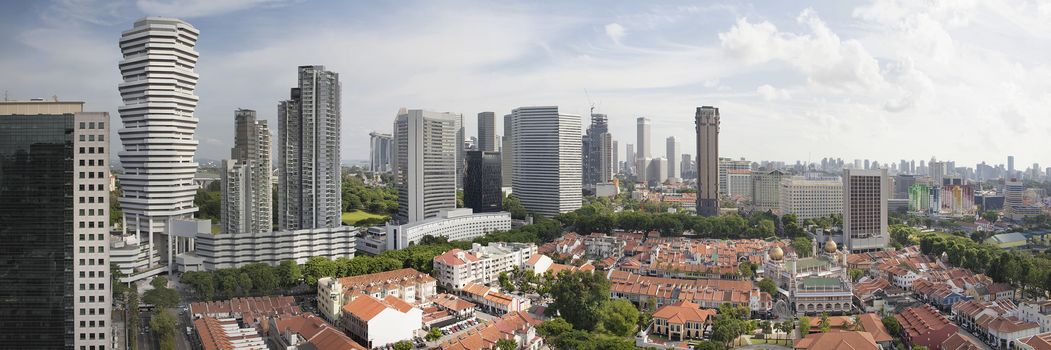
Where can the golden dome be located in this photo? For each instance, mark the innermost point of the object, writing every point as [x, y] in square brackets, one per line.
[776, 253]
[830, 246]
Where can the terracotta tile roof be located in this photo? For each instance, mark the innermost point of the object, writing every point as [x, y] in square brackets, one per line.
[682, 312]
[920, 320]
[1004, 325]
[452, 302]
[366, 307]
[485, 336]
[960, 342]
[452, 257]
[872, 324]
[375, 282]
[252, 310]
[1040, 341]
[837, 341]
[226, 334]
[316, 332]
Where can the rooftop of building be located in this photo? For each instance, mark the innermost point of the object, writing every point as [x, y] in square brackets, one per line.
[838, 341]
[314, 331]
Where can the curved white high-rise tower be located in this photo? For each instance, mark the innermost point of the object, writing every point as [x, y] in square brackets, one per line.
[158, 134]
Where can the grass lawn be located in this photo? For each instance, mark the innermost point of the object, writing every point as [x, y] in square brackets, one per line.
[352, 217]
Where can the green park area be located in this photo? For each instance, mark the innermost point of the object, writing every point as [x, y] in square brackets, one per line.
[356, 216]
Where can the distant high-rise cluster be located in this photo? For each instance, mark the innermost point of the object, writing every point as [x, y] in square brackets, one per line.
[309, 182]
[380, 152]
[246, 177]
[707, 127]
[597, 148]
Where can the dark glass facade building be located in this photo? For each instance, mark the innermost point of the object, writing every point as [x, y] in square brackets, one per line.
[36, 231]
[481, 190]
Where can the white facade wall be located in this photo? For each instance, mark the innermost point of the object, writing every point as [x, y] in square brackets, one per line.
[739, 185]
[230, 250]
[809, 199]
[456, 225]
[91, 282]
[391, 326]
[426, 162]
[546, 171]
[493, 259]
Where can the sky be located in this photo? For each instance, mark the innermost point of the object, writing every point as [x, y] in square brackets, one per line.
[962, 80]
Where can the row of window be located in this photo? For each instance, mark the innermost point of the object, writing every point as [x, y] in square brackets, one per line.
[92, 175]
[92, 336]
[91, 274]
[91, 212]
[92, 187]
[91, 311]
[92, 224]
[92, 262]
[92, 199]
[92, 299]
[92, 237]
[91, 125]
[92, 138]
[100, 323]
[91, 162]
[100, 347]
[101, 249]
[92, 150]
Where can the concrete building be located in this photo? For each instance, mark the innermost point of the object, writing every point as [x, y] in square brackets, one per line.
[247, 204]
[686, 167]
[811, 198]
[426, 162]
[658, 171]
[482, 264]
[54, 215]
[725, 166]
[487, 132]
[1014, 200]
[481, 187]
[506, 154]
[766, 190]
[707, 127]
[629, 161]
[681, 321]
[236, 249]
[642, 140]
[379, 322]
[158, 137]
[865, 194]
[455, 224]
[597, 148]
[407, 284]
[672, 155]
[309, 184]
[614, 162]
[739, 184]
[546, 173]
[380, 146]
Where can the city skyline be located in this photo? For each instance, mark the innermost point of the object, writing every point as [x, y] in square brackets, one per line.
[883, 86]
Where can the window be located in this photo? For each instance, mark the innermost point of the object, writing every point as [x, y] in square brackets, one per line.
[91, 125]
[82, 125]
[102, 125]
[102, 138]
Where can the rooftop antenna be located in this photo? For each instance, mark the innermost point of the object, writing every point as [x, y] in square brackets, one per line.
[5, 96]
[590, 103]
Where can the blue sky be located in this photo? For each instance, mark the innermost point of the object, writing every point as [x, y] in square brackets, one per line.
[961, 80]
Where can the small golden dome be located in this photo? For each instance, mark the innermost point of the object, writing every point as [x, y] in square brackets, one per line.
[830, 246]
[776, 253]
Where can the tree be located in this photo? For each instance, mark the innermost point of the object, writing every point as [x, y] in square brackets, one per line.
[802, 246]
[161, 297]
[403, 345]
[824, 323]
[316, 268]
[902, 234]
[505, 282]
[554, 327]
[804, 326]
[578, 297]
[618, 317]
[162, 323]
[892, 326]
[506, 344]
[767, 285]
[159, 282]
[746, 269]
[434, 334]
[990, 216]
[856, 274]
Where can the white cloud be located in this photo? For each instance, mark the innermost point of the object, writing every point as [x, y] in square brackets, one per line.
[820, 54]
[201, 8]
[770, 93]
[615, 32]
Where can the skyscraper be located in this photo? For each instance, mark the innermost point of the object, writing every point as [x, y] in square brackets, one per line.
[686, 167]
[308, 189]
[54, 220]
[487, 132]
[481, 185]
[614, 161]
[1010, 166]
[547, 173]
[629, 161]
[158, 135]
[642, 142]
[672, 156]
[597, 148]
[427, 148]
[865, 195]
[379, 152]
[506, 152]
[246, 191]
[707, 124]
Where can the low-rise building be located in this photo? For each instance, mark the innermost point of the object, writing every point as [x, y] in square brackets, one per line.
[924, 326]
[307, 332]
[455, 224]
[492, 301]
[380, 322]
[708, 293]
[407, 284]
[681, 320]
[251, 311]
[959, 341]
[1038, 312]
[237, 249]
[515, 326]
[851, 340]
[482, 264]
[226, 334]
[598, 246]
